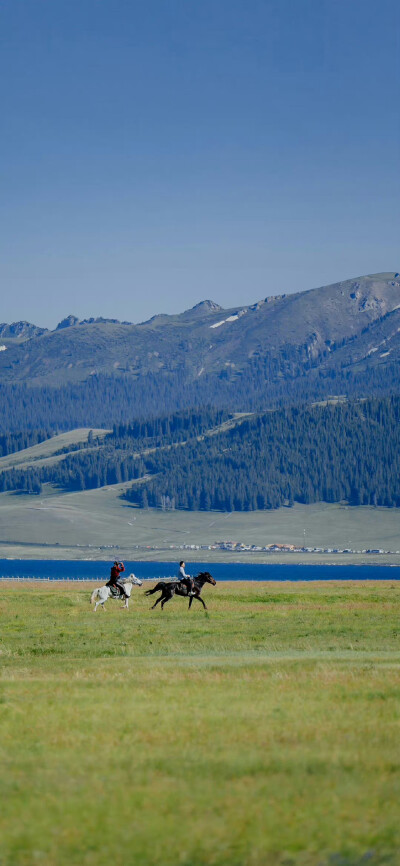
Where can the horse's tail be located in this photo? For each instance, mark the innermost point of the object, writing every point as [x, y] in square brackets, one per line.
[156, 588]
[93, 595]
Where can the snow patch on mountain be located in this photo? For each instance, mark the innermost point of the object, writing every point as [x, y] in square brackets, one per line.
[218, 324]
[232, 318]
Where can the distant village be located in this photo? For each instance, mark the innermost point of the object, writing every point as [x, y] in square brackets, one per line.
[240, 547]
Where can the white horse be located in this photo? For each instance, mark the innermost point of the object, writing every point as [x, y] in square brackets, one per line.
[102, 593]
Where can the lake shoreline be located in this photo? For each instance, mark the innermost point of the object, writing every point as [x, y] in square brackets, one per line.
[81, 571]
[55, 553]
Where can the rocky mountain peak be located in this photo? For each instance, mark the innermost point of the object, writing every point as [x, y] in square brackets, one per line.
[20, 330]
[203, 308]
[68, 322]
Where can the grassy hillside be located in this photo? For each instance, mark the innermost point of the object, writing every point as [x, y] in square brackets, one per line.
[264, 733]
[45, 451]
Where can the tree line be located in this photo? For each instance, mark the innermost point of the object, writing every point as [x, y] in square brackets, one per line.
[113, 458]
[347, 451]
[265, 382]
[11, 442]
[329, 453]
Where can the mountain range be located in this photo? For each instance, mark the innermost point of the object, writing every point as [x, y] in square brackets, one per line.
[285, 352]
[353, 324]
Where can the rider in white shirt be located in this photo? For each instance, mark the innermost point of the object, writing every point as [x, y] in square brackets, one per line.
[185, 578]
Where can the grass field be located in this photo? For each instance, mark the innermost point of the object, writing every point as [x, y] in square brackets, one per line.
[263, 732]
[79, 525]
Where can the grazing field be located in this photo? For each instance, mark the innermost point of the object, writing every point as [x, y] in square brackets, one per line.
[262, 733]
[79, 525]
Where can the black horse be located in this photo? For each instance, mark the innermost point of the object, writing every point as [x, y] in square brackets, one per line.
[176, 587]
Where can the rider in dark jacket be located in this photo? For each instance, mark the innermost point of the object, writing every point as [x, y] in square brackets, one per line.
[116, 570]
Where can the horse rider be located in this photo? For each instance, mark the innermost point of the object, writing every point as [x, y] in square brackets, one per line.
[185, 578]
[116, 570]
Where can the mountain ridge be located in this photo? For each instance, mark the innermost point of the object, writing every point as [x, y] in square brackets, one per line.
[353, 324]
[23, 327]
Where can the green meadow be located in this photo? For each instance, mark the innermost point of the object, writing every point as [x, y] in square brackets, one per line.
[263, 732]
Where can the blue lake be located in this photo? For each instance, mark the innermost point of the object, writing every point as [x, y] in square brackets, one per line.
[67, 570]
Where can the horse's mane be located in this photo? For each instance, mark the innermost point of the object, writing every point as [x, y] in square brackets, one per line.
[203, 575]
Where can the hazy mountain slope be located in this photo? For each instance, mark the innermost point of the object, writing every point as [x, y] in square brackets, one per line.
[80, 350]
[313, 321]
[378, 344]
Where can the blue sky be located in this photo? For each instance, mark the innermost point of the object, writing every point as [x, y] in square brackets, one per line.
[157, 153]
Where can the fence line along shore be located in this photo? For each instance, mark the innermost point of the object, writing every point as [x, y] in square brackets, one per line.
[24, 578]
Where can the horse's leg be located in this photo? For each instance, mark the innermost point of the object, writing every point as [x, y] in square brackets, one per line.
[165, 599]
[199, 598]
[157, 602]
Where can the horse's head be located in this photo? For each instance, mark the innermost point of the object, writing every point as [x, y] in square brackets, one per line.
[134, 580]
[207, 578]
